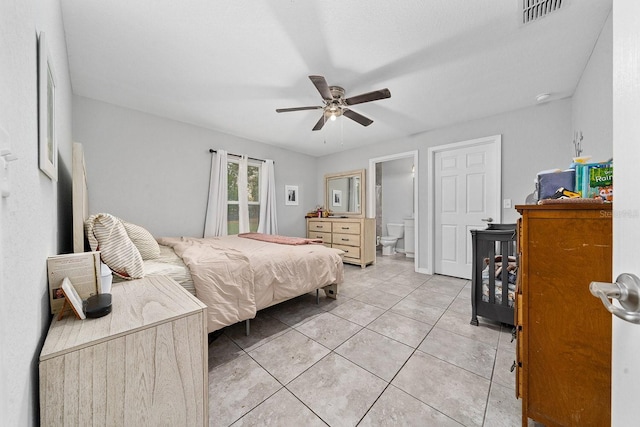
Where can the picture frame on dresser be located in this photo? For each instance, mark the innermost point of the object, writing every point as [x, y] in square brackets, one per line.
[47, 141]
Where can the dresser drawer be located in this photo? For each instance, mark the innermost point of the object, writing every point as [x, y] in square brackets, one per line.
[319, 226]
[346, 227]
[326, 237]
[349, 251]
[346, 239]
[355, 237]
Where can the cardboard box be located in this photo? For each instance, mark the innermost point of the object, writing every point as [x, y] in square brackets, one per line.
[595, 180]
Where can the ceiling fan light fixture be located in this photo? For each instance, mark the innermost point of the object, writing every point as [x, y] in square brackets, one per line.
[336, 105]
[332, 112]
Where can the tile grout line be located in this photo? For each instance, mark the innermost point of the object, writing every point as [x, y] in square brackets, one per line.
[364, 277]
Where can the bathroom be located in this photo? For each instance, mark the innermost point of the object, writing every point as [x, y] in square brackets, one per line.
[395, 207]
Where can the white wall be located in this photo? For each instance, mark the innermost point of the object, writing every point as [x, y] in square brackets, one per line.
[154, 171]
[397, 194]
[533, 139]
[592, 103]
[35, 219]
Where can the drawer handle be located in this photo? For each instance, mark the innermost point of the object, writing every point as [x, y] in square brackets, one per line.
[345, 240]
[319, 226]
[345, 228]
[318, 237]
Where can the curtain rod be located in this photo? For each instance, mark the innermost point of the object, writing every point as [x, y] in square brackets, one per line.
[211, 150]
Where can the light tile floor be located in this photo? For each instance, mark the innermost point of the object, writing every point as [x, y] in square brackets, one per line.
[395, 348]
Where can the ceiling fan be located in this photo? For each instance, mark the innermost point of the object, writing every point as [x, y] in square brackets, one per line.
[335, 104]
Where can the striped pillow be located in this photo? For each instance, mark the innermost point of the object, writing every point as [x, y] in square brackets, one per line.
[143, 240]
[107, 235]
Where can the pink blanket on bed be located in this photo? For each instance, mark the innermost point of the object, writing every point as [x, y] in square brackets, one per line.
[283, 240]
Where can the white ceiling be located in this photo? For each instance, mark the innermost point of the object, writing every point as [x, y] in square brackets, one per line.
[227, 65]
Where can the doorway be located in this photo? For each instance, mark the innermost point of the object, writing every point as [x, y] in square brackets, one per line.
[464, 192]
[377, 164]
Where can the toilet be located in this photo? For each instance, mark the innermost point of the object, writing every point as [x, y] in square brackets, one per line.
[395, 232]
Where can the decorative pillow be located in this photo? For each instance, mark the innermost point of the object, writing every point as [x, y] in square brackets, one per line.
[143, 240]
[107, 235]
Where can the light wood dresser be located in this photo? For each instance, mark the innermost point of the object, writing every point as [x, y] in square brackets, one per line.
[355, 236]
[563, 333]
[145, 364]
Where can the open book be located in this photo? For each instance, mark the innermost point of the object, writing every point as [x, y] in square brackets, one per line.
[73, 298]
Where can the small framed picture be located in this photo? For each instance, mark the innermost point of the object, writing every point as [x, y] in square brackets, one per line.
[47, 141]
[73, 298]
[336, 198]
[291, 195]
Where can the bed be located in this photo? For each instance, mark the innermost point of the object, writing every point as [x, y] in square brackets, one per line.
[235, 276]
[494, 273]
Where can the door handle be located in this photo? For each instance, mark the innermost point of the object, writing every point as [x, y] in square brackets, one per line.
[487, 219]
[626, 290]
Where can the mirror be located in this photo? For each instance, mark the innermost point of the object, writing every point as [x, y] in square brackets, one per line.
[344, 193]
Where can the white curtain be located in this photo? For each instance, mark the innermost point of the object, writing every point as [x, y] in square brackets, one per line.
[243, 196]
[268, 221]
[215, 222]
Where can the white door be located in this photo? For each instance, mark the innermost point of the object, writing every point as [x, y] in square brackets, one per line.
[467, 190]
[626, 208]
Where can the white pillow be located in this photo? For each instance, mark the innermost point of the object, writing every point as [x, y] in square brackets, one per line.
[143, 240]
[106, 234]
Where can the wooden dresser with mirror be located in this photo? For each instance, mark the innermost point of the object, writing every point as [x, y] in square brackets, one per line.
[347, 229]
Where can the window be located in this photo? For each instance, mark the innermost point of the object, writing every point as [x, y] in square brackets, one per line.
[253, 194]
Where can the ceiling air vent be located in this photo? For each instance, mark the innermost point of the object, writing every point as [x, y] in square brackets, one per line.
[532, 10]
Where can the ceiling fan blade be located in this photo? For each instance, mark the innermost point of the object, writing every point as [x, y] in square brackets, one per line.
[320, 123]
[286, 110]
[369, 96]
[322, 86]
[364, 121]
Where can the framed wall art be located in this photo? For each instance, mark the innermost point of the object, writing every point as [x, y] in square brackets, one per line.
[291, 195]
[47, 141]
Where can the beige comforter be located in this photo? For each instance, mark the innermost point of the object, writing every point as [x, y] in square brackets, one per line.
[236, 277]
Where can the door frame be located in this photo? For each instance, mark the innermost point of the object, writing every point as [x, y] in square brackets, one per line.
[371, 194]
[496, 140]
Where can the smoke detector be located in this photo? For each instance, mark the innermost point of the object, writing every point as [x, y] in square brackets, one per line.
[533, 10]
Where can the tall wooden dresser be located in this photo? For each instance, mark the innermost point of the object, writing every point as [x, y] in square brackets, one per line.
[355, 236]
[143, 364]
[563, 332]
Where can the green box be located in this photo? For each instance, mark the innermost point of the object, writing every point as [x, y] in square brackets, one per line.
[596, 181]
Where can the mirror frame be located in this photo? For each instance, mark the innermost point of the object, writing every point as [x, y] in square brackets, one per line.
[360, 173]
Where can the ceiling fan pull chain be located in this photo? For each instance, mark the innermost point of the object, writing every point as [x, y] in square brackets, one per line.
[324, 133]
